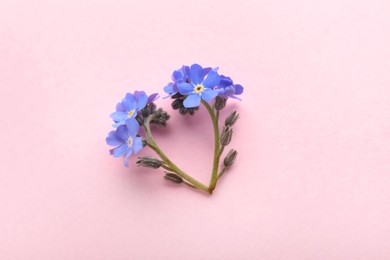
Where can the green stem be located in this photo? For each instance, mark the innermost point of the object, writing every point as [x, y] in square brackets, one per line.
[214, 119]
[152, 144]
[221, 173]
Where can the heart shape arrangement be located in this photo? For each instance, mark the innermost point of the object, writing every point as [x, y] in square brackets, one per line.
[191, 86]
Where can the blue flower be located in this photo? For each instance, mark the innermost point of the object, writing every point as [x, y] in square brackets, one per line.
[130, 105]
[178, 76]
[226, 88]
[125, 139]
[199, 87]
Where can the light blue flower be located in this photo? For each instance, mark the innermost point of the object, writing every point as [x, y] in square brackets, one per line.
[178, 76]
[125, 139]
[130, 105]
[200, 86]
[226, 88]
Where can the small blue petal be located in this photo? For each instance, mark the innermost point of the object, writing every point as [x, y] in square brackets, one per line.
[168, 88]
[113, 140]
[153, 97]
[186, 71]
[137, 94]
[196, 74]
[206, 71]
[129, 102]
[128, 153]
[212, 80]
[119, 151]
[238, 89]
[185, 88]
[122, 132]
[209, 94]
[118, 116]
[225, 81]
[120, 108]
[193, 100]
[178, 76]
[137, 145]
[229, 90]
[132, 126]
[130, 97]
[142, 100]
[117, 124]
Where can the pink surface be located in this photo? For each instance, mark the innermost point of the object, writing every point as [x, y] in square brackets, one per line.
[312, 180]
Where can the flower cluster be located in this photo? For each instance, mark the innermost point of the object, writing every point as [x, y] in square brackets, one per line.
[191, 86]
[127, 117]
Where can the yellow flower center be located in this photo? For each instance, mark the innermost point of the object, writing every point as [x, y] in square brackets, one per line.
[131, 112]
[199, 88]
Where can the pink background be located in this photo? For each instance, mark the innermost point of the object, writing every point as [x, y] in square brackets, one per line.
[312, 180]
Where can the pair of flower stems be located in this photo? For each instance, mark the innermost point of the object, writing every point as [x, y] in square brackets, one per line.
[168, 165]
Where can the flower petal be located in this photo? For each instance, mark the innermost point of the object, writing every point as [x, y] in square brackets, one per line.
[117, 124]
[120, 107]
[185, 88]
[209, 94]
[129, 102]
[120, 150]
[137, 145]
[122, 132]
[113, 140]
[142, 100]
[225, 81]
[186, 71]
[153, 97]
[137, 94]
[178, 76]
[118, 116]
[206, 71]
[193, 100]
[128, 153]
[211, 80]
[196, 74]
[169, 88]
[132, 126]
[238, 89]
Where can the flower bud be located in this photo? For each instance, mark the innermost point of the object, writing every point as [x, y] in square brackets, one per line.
[183, 110]
[160, 117]
[149, 162]
[173, 177]
[230, 158]
[231, 119]
[177, 103]
[220, 103]
[226, 136]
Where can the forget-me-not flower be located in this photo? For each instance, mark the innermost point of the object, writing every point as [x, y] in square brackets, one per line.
[125, 139]
[201, 86]
[226, 88]
[130, 105]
